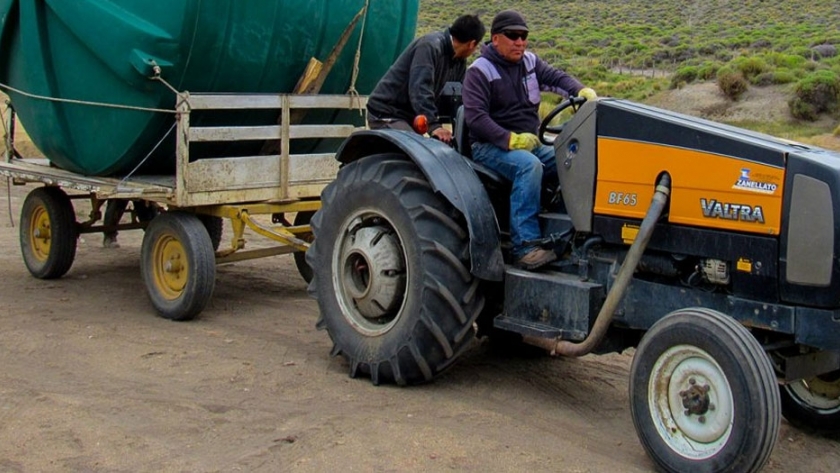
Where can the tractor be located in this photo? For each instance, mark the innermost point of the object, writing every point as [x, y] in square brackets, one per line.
[713, 251]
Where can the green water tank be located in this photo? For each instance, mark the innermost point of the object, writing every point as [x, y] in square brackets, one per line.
[100, 51]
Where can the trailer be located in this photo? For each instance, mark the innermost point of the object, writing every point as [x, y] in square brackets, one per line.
[182, 214]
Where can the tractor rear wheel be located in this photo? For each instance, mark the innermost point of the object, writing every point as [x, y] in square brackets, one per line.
[48, 233]
[703, 394]
[813, 404]
[390, 272]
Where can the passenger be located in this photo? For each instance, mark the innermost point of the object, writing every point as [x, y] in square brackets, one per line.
[501, 96]
[413, 85]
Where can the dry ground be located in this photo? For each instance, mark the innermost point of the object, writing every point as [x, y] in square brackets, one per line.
[92, 380]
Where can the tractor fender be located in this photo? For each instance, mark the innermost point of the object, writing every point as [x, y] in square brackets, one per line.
[450, 174]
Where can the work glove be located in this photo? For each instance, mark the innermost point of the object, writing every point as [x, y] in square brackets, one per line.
[526, 141]
[587, 93]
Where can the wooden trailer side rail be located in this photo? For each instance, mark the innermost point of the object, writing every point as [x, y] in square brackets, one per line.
[277, 178]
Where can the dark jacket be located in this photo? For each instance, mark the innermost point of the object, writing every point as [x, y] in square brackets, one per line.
[413, 84]
[502, 97]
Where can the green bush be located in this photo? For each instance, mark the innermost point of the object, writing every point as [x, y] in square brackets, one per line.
[684, 75]
[788, 61]
[732, 83]
[784, 76]
[750, 66]
[818, 92]
[708, 70]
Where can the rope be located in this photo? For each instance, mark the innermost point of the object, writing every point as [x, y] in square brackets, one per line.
[9, 199]
[156, 77]
[11, 151]
[119, 184]
[356, 60]
[86, 102]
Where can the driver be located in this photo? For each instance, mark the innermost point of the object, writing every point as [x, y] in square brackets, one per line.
[501, 97]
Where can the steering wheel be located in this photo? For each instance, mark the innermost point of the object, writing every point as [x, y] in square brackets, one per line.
[574, 102]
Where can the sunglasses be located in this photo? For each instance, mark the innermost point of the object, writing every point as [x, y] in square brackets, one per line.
[515, 35]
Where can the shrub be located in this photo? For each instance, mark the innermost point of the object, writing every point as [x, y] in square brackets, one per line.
[824, 50]
[837, 131]
[708, 70]
[724, 55]
[732, 83]
[789, 61]
[684, 75]
[751, 66]
[818, 92]
[784, 76]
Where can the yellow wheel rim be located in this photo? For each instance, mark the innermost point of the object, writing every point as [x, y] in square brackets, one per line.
[39, 233]
[171, 269]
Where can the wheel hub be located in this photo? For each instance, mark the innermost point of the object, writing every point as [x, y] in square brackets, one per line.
[691, 402]
[371, 274]
[170, 267]
[374, 274]
[695, 399]
[40, 235]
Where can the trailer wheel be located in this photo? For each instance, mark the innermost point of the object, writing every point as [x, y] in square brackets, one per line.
[814, 403]
[215, 227]
[48, 233]
[390, 264]
[303, 218]
[703, 394]
[178, 265]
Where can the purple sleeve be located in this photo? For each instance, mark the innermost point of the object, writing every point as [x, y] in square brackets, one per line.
[476, 97]
[555, 80]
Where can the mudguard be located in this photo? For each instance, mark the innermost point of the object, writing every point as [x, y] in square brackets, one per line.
[450, 174]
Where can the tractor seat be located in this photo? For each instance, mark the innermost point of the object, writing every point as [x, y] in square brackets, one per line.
[461, 139]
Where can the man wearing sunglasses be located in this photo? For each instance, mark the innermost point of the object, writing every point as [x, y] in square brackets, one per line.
[413, 85]
[501, 97]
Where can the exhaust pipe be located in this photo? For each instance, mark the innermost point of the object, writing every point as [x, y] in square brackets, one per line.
[622, 281]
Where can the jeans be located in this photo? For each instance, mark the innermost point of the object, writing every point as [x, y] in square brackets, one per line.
[526, 169]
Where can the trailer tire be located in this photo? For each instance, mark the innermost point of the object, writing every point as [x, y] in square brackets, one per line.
[215, 227]
[305, 271]
[703, 394]
[813, 404]
[390, 263]
[48, 233]
[178, 265]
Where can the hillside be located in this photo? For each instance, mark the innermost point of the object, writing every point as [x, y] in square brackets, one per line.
[658, 33]
[670, 54]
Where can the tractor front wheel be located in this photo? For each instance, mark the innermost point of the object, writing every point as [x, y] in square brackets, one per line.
[704, 395]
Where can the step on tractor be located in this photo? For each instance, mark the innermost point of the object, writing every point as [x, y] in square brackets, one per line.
[711, 250]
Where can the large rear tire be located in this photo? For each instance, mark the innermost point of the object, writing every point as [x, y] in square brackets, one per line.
[703, 395]
[178, 265]
[390, 262]
[813, 404]
[48, 233]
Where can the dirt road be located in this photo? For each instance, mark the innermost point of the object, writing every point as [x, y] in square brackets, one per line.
[92, 380]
